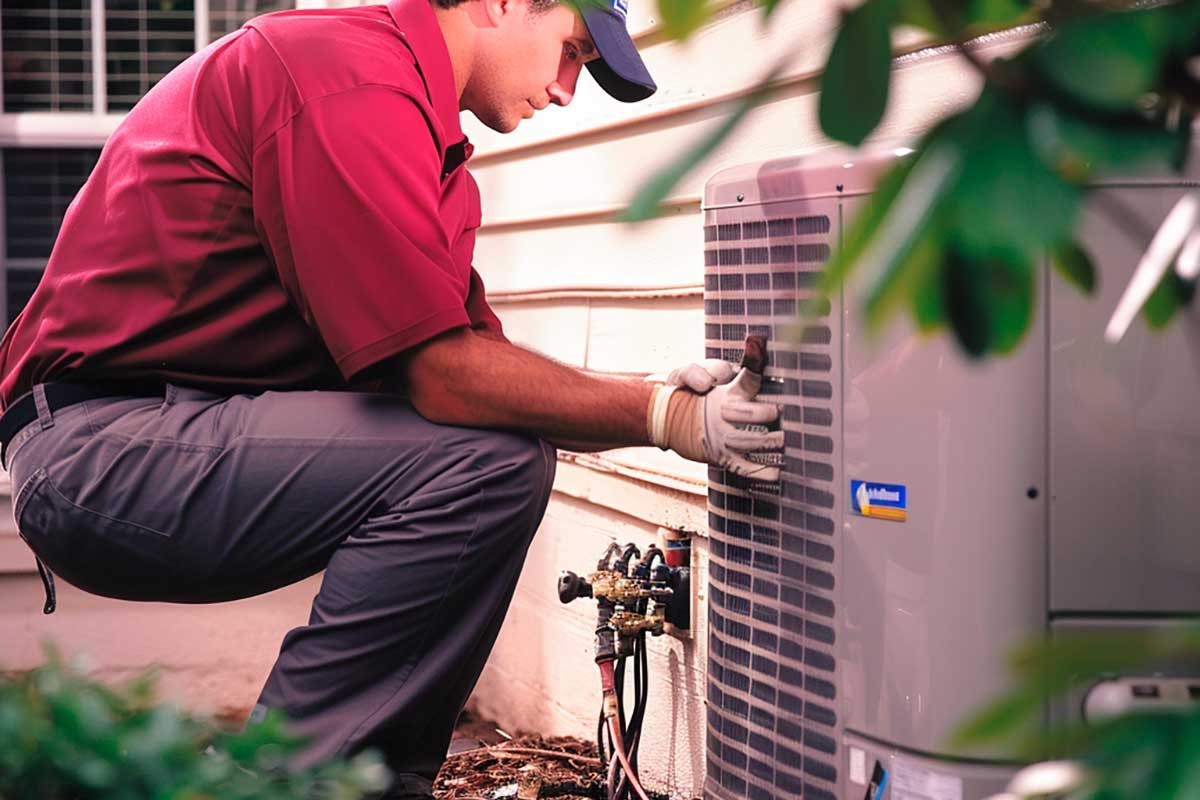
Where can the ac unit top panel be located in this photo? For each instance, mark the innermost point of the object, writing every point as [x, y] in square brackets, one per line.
[844, 172]
[834, 172]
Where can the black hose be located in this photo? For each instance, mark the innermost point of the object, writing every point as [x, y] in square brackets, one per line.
[641, 674]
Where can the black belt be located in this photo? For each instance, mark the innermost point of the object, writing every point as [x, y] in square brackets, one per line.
[66, 393]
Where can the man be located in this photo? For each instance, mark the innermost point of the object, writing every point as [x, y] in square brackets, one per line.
[260, 350]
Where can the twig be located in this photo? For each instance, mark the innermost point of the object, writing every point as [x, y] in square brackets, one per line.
[529, 751]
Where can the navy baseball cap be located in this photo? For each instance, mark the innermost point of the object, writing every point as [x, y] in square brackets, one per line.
[619, 69]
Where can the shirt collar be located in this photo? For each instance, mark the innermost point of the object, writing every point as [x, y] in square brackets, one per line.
[419, 27]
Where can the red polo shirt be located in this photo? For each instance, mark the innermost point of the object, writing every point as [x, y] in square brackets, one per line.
[286, 209]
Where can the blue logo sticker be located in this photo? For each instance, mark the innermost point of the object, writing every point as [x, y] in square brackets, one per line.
[621, 8]
[879, 500]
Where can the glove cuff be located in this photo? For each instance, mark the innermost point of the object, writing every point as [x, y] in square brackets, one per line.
[656, 415]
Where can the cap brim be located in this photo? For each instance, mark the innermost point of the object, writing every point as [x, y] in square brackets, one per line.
[619, 70]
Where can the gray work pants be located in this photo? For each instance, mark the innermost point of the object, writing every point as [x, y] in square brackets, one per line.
[421, 529]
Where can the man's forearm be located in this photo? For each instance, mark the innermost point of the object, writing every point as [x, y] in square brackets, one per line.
[461, 378]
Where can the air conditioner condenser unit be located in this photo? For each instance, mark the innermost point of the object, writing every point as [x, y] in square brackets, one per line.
[934, 512]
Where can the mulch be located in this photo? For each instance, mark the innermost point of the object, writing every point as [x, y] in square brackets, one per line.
[484, 765]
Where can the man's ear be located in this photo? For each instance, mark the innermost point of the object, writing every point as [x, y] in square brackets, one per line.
[494, 11]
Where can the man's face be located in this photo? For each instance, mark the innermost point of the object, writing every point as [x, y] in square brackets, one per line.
[527, 61]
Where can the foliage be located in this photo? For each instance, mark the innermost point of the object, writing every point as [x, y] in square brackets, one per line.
[1148, 755]
[956, 233]
[65, 736]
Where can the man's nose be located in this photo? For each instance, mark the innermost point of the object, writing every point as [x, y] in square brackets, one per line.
[562, 89]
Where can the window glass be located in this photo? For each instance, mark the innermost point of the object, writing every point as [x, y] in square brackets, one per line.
[39, 184]
[47, 47]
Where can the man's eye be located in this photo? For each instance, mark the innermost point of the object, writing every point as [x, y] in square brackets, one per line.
[571, 51]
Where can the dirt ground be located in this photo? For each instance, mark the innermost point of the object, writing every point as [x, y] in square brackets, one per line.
[484, 764]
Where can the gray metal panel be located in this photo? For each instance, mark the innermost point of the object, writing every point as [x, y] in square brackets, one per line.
[914, 775]
[932, 606]
[1124, 436]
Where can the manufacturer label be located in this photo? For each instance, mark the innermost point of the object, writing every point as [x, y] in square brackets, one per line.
[858, 766]
[879, 500]
[913, 782]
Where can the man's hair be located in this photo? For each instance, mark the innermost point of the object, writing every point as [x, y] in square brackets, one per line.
[537, 6]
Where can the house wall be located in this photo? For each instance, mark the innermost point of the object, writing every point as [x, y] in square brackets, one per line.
[570, 282]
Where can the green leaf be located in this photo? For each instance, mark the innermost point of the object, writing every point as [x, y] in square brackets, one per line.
[865, 224]
[999, 719]
[1080, 146]
[918, 265]
[69, 736]
[996, 13]
[681, 18]
[1073, 264]
[1189, 753]
[989, 302]
[966, 303]
[1171, 769]
[646, 200]
[769, 8]
[1107, 60]
[1057, 663]
[963, 19]
[926, 302]
[894, 216]
[1006, 198]
[919, 14]
[1168, 297]
[1047, 667]
[893, 258]
[854, 86]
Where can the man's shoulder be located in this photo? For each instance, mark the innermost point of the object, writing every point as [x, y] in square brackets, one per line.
[333, 50]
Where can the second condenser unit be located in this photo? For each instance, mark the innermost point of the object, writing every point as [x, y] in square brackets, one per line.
[934, 512]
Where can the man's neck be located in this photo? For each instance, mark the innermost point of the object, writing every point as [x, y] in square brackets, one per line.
[459, 33]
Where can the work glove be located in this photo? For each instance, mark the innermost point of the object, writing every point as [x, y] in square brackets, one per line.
[702, 375]
[718, 425]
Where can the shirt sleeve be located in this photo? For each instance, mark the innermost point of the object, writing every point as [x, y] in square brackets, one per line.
[348, 201]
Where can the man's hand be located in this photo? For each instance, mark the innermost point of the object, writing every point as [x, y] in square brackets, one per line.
[720, 426]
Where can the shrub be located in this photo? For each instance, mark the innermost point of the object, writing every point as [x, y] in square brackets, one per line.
[64, 736]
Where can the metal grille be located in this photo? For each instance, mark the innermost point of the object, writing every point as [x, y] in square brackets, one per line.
[47, 46]
[226, 16]
[773, 728]
[146, 39]
[39, 184]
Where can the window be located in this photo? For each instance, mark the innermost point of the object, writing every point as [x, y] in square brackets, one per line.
[39, 184]
[86, 60]
[225, 16]
[144, 40]
[47, 49]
